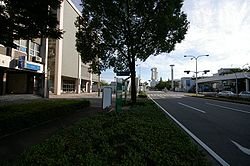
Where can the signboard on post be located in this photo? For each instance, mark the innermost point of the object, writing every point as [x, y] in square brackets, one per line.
[119, 95]
[106, 98]
[123, 73]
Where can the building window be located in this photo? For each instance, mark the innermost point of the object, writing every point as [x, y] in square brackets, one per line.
[21, 45]
[68, 86]
[32, 52]
[34, 49]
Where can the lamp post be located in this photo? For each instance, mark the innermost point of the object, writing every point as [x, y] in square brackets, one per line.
[139, 76]
[247, 75]
[99, 75]
[236, 84]
[172, 77]
[196, 72]
[236, 79]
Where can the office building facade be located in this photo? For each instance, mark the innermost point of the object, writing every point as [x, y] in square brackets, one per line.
[45, 66]
[21, 69]
[154, 77]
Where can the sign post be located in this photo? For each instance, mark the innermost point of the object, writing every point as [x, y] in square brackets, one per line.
[123, 73]
[119, 89]
[119, 94]
[106, 98]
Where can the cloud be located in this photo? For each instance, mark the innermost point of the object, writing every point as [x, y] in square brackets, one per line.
[218, 28]
[77, 4]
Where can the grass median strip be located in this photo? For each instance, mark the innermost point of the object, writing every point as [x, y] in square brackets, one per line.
[226, 99]
[18, 116]
[140, 136]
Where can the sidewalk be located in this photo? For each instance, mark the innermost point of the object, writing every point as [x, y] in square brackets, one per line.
[13, 144]
[93, 97]
[16, 98]
[8, 99]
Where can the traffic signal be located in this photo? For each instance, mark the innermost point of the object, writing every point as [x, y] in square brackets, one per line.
[206, 71]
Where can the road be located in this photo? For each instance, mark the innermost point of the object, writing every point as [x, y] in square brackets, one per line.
[222, 128]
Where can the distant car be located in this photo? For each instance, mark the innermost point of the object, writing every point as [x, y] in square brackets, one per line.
[245, 94]
[226, 94]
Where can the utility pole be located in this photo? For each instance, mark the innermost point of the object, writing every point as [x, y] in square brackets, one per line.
[196, 69]
[172, 77]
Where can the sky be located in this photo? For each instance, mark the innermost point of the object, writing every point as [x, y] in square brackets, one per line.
[219, 28]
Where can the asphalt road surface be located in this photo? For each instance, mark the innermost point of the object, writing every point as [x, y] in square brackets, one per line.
[222, 128]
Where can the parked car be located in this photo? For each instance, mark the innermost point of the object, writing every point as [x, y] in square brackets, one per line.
[245, 94]
[226, 94]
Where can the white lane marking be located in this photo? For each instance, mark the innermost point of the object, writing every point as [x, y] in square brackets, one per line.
[209, 150]
[234, 109]
[156, 95]
[243, 149]
[192, 107]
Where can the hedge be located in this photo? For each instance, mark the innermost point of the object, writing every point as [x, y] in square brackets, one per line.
[18, 116]
[141, 136]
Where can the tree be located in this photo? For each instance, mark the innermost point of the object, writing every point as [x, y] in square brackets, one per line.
[118, 32]
[28, 19]
[163, 84]
[104, 83]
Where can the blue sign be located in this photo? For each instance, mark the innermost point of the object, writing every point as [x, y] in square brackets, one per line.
[21, 62]
[32, 66]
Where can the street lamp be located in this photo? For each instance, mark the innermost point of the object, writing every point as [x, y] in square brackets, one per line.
[139, 76]
[99, 74]
[247, 75]
[236, 79]
[172, 77]
[196, 72]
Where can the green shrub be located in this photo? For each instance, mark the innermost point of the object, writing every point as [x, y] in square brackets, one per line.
[140, 136]
[142, 94]
[18, 116]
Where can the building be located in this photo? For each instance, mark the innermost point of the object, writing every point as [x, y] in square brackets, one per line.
[47, 65]
[226, 80]
[154, 77]
[154, 74]
[224, 71]
[66, 72]
[186, 84]
[177, 85]
[21, 69]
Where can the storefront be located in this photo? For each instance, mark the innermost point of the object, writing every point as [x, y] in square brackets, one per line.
[23, 82]
[21, 77]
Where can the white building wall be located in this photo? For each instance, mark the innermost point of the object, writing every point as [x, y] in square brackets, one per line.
[58, 57]
[70, 57]
[154, 74]
[68, 65]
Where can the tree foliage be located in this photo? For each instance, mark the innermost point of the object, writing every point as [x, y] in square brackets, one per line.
[28, 19]
[163, 84]
[115, 33]
[104, 83]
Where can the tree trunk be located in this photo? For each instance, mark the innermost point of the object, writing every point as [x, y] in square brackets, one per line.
[133, 85]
